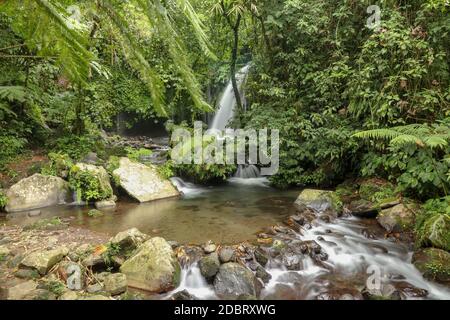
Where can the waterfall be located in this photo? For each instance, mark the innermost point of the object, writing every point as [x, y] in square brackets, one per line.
[228, 102]
[226, 113]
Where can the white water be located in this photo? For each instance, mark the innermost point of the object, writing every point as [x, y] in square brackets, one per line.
[186, 188]
[193, 282]
[228, 102]
[349, 255]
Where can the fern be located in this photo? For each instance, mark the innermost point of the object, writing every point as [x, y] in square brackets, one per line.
[436, 136]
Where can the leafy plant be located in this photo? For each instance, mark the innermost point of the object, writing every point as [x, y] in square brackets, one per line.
[88, 185]
[3, 200]
[137, 154]
[59, 165]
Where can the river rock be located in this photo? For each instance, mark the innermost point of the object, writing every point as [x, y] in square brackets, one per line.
[397, 219]
[115, 284]
[234, 280]
[183, 296]
[263, 274]
[434, 264]
[226, 254]
[317, 200]
[43, 261]
[27, 274]
[105, 204]
[209, 247]
[385, 292]
[68, 296]
[261, 257]
[35, 192]
[363, 208]
[4, 252]
[129, 240]
[95, 288]
[143, 182]
[153, 268]
[20, 291]
[209, 266]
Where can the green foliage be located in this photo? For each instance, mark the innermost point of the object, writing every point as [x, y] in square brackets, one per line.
[88, 185]
[3, 200]
[377, 192]
[76, 147]
[433, 224]
[137, 154]
[167, 170]
[58, 165]
[112, 249]
[205, 172]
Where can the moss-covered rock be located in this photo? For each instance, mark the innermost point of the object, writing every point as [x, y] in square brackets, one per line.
[319, 200]
[434, 264]
[435, 232]
[400, 218]
[153, 268]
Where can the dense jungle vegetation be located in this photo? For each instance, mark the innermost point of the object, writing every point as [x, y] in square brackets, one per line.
[350, 101]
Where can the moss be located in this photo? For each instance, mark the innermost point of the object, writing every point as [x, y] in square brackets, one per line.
[377, 192]
[433, 263]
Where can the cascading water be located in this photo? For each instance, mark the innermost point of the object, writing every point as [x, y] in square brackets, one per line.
[226, 113]
[228, 102]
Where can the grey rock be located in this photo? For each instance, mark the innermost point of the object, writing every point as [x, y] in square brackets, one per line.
[234, 280]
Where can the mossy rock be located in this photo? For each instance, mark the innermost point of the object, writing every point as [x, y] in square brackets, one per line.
[319, 200]
[435, 232]
[434, 264]
[400, 218]
[377, 191]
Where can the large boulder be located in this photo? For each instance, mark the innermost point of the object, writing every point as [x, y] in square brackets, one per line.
[434, 264]
[153, 268]
[234, 280]
[318, 200]
[43, 261]
[37, 191]
[143, 182]
[397, 219]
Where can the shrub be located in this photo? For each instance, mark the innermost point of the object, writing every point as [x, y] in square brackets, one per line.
[59, 165]
[88, 185]
[76, 147]
[3, 200]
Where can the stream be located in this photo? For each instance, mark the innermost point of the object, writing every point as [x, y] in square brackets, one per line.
[241, 209]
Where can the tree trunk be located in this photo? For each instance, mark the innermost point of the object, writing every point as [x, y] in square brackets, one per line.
[233, 63]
